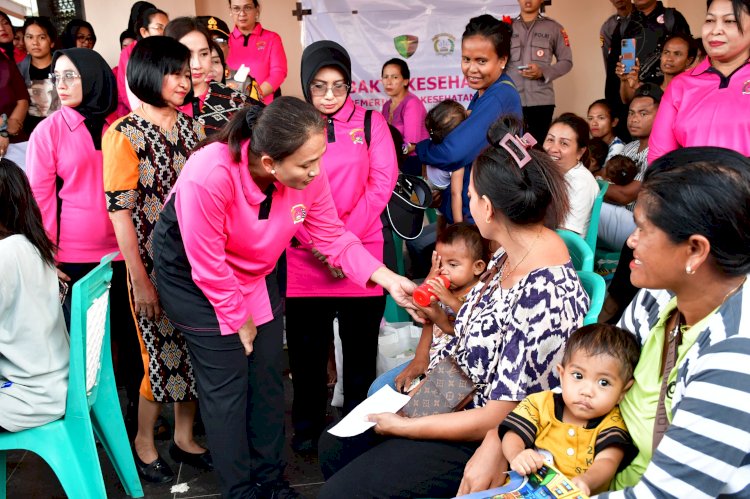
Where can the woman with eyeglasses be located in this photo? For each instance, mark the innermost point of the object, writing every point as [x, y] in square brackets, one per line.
[361, 164]
[257, 48]
[64, 165]
[149, 21]
[78, 34]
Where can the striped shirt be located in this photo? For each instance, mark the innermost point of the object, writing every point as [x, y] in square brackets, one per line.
[641, 160]
[706, 450]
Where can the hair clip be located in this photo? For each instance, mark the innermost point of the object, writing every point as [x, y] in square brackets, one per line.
[520, 153]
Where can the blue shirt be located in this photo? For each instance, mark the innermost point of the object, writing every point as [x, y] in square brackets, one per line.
[465, 142]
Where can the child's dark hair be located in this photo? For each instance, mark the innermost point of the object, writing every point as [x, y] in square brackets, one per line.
[621, 170]
[469, 234]
[600, 339]
[598, 150]
[19, 213]
[443, 118]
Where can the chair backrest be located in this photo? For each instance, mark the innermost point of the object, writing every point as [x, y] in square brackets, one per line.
[580, 254]
[596, 288]
[595, 212]
[89, 332]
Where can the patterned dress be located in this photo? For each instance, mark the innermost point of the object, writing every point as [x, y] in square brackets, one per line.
[510, 340]
[141, 164]
[220, 104]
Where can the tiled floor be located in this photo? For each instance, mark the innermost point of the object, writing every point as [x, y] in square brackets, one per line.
[29, 477]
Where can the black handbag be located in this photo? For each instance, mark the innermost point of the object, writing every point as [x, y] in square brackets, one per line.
[405, 210]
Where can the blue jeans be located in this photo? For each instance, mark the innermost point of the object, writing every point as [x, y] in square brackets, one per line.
[387, 378]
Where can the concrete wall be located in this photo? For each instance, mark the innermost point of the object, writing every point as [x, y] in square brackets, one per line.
[110, 18]
[581, 18]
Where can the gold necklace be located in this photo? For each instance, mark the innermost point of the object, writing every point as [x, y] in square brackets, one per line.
[155, 122]
[503, 275]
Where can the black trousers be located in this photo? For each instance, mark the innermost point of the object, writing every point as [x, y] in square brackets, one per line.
[125, 347]
[620, 289]
[309, 332]
[371, 466]
[537, 120]
[241, 399]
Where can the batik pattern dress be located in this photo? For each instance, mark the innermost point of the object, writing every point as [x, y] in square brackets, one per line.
[219, 106]
[141, 164]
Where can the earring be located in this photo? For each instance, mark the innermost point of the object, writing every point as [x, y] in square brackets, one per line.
[487, 220]
[273, 171]
[689, 270]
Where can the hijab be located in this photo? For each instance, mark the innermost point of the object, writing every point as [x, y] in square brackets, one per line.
[98, 86]
[319, 55]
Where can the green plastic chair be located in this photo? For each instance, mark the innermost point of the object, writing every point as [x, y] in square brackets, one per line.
[92, 405]
[580, 253]
[394, 313]
[596, 211]
[596, 288]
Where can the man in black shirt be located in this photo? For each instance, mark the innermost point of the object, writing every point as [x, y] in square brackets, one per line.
[649, 24]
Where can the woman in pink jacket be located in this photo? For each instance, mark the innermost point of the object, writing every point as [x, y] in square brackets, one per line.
[235, 207]
[64, 165]
[362, 168]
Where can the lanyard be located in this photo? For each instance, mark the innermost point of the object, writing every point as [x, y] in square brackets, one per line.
[668, 361]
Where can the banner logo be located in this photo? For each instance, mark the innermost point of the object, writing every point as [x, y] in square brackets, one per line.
[406, 45]
[444, 44]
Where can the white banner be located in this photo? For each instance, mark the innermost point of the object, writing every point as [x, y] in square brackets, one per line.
[427, 34]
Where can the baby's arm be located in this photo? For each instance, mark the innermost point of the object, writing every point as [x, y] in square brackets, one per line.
[522, 460]
[418, 365]
[457, 191]
[444, 295]
[602, 470]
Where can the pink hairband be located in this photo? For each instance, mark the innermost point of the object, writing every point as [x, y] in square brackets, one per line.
[522, 146]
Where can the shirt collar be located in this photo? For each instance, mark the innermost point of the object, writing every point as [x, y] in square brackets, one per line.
[346, 112]
[236, 33]
[72, 118]
[250, 189]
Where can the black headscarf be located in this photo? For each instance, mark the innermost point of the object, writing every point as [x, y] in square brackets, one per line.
[99, 89]
[319, 55]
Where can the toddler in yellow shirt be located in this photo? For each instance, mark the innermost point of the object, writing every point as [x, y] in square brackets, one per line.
[580, 430]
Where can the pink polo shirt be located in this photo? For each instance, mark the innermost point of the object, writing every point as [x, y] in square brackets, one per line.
[362, 181]
[123, 102]
[263, 52]
[702, 107]
[231, 249]
[408, 118]
[61, 146]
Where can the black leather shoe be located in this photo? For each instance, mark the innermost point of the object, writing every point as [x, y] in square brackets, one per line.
[156, 472]
[278, 489]
[201, 461]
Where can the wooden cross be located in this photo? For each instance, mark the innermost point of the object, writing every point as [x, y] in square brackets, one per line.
[299, 13]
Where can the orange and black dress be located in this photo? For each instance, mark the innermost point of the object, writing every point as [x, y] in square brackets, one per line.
[141, 164]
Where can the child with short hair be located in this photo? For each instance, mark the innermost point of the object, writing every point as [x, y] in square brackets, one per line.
[440, 121]
[581, 429]
[460, 255]
[620, 170]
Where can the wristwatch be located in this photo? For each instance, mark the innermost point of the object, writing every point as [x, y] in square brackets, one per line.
[405, 148]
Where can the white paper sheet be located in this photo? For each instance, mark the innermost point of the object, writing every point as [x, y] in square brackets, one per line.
[384, 400]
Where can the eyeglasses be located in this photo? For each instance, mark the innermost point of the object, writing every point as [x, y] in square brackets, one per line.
[68, 77]
[248, 8]
[84, 38]
[321, 89]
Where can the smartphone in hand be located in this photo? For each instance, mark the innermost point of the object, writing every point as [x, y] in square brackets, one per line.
[628, 54]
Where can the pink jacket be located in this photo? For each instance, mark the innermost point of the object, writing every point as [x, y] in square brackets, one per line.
[703, 108]
[231, 250]
[61, 146]
[408, 118]
[263, 52]
[362, 181]
[123, 103]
